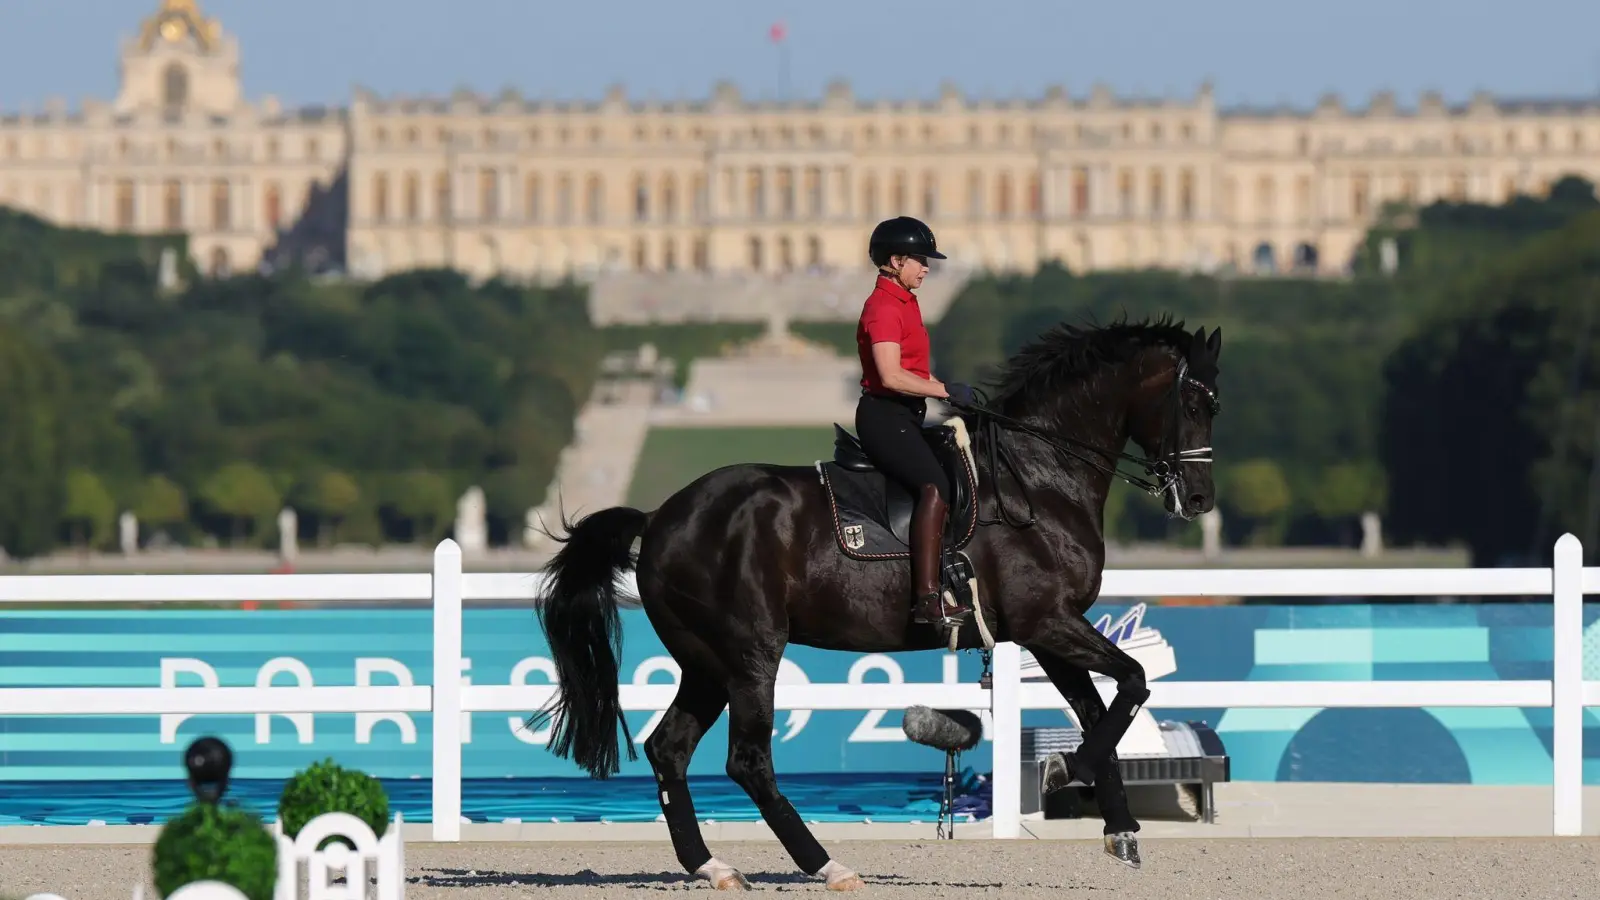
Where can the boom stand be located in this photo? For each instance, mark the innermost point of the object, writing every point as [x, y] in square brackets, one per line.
[947, 807]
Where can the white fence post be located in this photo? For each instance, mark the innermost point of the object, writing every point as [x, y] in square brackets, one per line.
[1566, 713]
[1005, 711]
[447, 691]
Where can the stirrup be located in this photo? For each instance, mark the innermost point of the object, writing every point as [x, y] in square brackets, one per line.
[951, 613]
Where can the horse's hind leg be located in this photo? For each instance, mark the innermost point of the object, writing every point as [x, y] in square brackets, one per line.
[750, 716]
[694, 710]
[1077, 686]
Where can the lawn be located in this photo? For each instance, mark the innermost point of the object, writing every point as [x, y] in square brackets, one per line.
[673, 457]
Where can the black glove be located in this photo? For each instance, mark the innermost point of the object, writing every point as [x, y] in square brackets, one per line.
[960, 394]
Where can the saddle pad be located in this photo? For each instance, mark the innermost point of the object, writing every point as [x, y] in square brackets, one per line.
[865, 535]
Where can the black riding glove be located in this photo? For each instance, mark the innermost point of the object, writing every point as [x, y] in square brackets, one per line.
[960, 394]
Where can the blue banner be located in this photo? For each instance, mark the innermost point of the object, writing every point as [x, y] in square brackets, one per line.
[150, 648]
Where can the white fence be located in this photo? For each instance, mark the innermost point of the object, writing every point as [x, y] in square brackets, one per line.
[1566, 693]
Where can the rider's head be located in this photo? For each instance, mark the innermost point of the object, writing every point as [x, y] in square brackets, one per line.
[901, 247]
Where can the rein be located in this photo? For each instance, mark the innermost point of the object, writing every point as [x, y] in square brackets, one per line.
[1163, 468]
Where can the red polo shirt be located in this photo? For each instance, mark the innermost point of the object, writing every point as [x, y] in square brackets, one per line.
[891, 313]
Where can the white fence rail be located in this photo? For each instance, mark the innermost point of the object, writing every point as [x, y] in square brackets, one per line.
[1566, 693]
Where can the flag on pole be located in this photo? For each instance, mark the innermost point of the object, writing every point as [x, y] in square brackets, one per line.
[777, 32]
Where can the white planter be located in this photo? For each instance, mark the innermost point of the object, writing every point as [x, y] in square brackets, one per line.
[384, 859]
[194, 890]
[207, 890]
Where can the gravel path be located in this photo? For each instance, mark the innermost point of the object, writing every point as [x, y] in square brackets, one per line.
[1283, 869]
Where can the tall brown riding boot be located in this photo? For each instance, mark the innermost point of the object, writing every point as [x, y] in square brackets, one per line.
[927, 544]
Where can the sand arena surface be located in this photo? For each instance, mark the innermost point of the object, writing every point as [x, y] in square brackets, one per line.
[1192, 869]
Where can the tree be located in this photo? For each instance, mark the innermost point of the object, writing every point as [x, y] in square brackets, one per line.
[331, 496]
[1489, 416]
[90, 510]
[423, 499]
[1257, 489]
[32, 489]
[509, 493]
[241, 493]
[422, 371]
[1345, 491]
[159, 502]
[1349, 489]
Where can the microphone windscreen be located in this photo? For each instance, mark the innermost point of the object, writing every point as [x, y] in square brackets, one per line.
[943, 729]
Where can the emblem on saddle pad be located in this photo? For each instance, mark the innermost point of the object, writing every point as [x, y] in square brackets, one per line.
[854, 537]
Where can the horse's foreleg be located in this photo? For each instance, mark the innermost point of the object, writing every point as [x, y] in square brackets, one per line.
[694, 710]
[750, 717]
[1077, 686]
[1076, 643]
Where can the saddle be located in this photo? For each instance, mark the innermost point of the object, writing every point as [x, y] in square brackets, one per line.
[872, 512]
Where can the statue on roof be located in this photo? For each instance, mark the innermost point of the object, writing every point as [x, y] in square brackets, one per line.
[178, 20]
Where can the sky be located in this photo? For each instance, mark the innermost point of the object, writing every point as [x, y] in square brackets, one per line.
[1254, 52]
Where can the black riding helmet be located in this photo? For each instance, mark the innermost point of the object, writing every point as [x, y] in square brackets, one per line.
[901, 236]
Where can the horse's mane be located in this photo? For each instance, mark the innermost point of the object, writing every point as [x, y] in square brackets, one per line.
[1070, 353]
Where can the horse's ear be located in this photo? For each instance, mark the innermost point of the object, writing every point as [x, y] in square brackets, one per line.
[1215, 343]
[1199, 338]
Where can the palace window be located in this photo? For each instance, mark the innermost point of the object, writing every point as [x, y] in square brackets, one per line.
[175, 87]
[172, 205]
[272, 203]
[380, 197]
[221, 205]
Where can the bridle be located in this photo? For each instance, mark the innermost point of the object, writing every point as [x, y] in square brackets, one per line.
[1165, 468]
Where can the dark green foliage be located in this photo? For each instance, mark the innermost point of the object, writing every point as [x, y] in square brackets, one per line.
[216, 843]
[1457, 397]
[326, 787]
[33, 486]
[1490, 419]
[233, 397]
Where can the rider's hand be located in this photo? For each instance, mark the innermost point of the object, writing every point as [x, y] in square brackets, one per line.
[960, 394]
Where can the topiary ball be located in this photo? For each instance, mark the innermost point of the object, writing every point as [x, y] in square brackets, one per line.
[217, 843]
[326, 787]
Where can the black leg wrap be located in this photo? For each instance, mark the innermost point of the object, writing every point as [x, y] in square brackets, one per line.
[1118, 817]
[796, 838]
[678, 808]
[1101, 740]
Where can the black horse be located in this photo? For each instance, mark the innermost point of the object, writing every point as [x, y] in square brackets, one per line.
[750, 558]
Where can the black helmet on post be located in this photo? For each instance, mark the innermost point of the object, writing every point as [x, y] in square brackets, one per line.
[901, 236]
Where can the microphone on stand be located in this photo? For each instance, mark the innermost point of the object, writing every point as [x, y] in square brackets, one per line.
[950, 730]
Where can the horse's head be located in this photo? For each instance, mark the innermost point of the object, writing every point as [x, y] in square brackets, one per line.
[1096, 388]
[1170, 415]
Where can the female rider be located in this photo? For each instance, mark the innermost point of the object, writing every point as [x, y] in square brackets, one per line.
[895, 384]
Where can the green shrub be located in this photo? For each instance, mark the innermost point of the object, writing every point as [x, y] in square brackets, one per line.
[216, 843]
[327, 787]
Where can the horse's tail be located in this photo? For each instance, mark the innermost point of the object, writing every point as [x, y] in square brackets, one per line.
[578, 612]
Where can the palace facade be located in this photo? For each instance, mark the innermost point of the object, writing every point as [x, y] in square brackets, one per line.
[535, 188]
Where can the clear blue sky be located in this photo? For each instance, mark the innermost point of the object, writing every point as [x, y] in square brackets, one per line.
[1260, 52]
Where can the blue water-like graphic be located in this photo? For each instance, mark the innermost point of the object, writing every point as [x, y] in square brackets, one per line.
[829, 797]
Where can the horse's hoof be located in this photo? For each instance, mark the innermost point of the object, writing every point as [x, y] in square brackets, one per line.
[840, 878]
[1058, 773]
[1124, 848]
[722, 876]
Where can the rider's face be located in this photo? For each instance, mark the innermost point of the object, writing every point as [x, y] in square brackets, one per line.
[910, 270]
